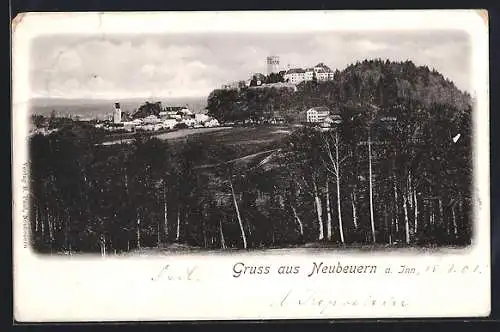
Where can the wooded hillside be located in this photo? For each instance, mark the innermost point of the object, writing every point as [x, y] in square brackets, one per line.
[384, 84]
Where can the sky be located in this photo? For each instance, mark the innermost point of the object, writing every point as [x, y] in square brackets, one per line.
[192, 65]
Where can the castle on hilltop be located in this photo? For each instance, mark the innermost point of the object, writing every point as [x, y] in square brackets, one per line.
[321, 71]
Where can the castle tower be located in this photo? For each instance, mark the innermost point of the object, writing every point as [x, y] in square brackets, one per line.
[273, 64]
[117, 115]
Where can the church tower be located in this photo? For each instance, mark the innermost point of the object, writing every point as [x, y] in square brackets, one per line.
[117, 115]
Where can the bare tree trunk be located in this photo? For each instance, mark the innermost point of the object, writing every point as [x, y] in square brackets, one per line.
[204, 231]
[51, 228]
[441, 215]
[328, 214]
[222, 241]
[337, 174]
[36, 217]
[126, 182]
[248, 225]
[102, 244]
[319, 212]
[301, 227]
[339, 207]
[416, 210]
[43, 223]
[138, 231]
[386, 223]
[66, 242]
[409, 191]
[354, 212]
[372, 220]
[158, 233]
[165, 212]
[177, 235]
[431, 217]
[243, 236]
[407, 224]
[455, 227]
[69, 233]
[396, 206]
[460, 208]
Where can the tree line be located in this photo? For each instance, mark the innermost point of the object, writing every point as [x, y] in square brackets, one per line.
[384, 177]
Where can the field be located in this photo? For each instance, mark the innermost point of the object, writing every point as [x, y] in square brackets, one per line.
[170, 135]
[243, 137]
[246, 140]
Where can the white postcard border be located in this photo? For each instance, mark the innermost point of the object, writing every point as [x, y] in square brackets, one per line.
[105, 289]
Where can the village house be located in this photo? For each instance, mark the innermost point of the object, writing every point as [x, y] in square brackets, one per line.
[212, 123]
[170, 123]
[317, 114]
[201, 118]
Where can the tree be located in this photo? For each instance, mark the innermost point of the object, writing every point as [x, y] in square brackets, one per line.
[333, 166]
[253, 81]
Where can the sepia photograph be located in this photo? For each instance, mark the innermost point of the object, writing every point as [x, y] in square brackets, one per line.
[222, 143]
[268, 146]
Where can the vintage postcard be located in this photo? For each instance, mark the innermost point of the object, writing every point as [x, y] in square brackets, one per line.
[250, 165]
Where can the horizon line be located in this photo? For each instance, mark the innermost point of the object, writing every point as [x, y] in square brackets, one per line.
[115, 99]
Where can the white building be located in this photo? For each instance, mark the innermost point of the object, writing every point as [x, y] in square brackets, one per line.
[169, 123]
[151, 119]
[317, 114]
[212, 123]
[297, 75]
[117, 114]
[309, 74]
[321, 74]
[294, 75]
[189, 122]
[200, 117]
[129, 126]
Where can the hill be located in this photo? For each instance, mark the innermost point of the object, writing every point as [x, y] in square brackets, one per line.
[385, 82]
[381, 83]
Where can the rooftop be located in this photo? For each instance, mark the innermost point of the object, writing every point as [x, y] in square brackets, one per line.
[320, 109]
[323, 66]
[295, 71]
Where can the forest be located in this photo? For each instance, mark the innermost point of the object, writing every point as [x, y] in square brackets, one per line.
[396, 172]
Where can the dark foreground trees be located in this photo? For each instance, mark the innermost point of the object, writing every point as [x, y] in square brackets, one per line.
[388, 176]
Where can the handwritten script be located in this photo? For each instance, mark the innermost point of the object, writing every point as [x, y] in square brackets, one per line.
[169, 273]
[326, 302]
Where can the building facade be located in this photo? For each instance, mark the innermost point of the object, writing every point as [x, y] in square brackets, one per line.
[317, 114]
[321, 71]
[117, 114]
[309, 74]
[294, 75]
